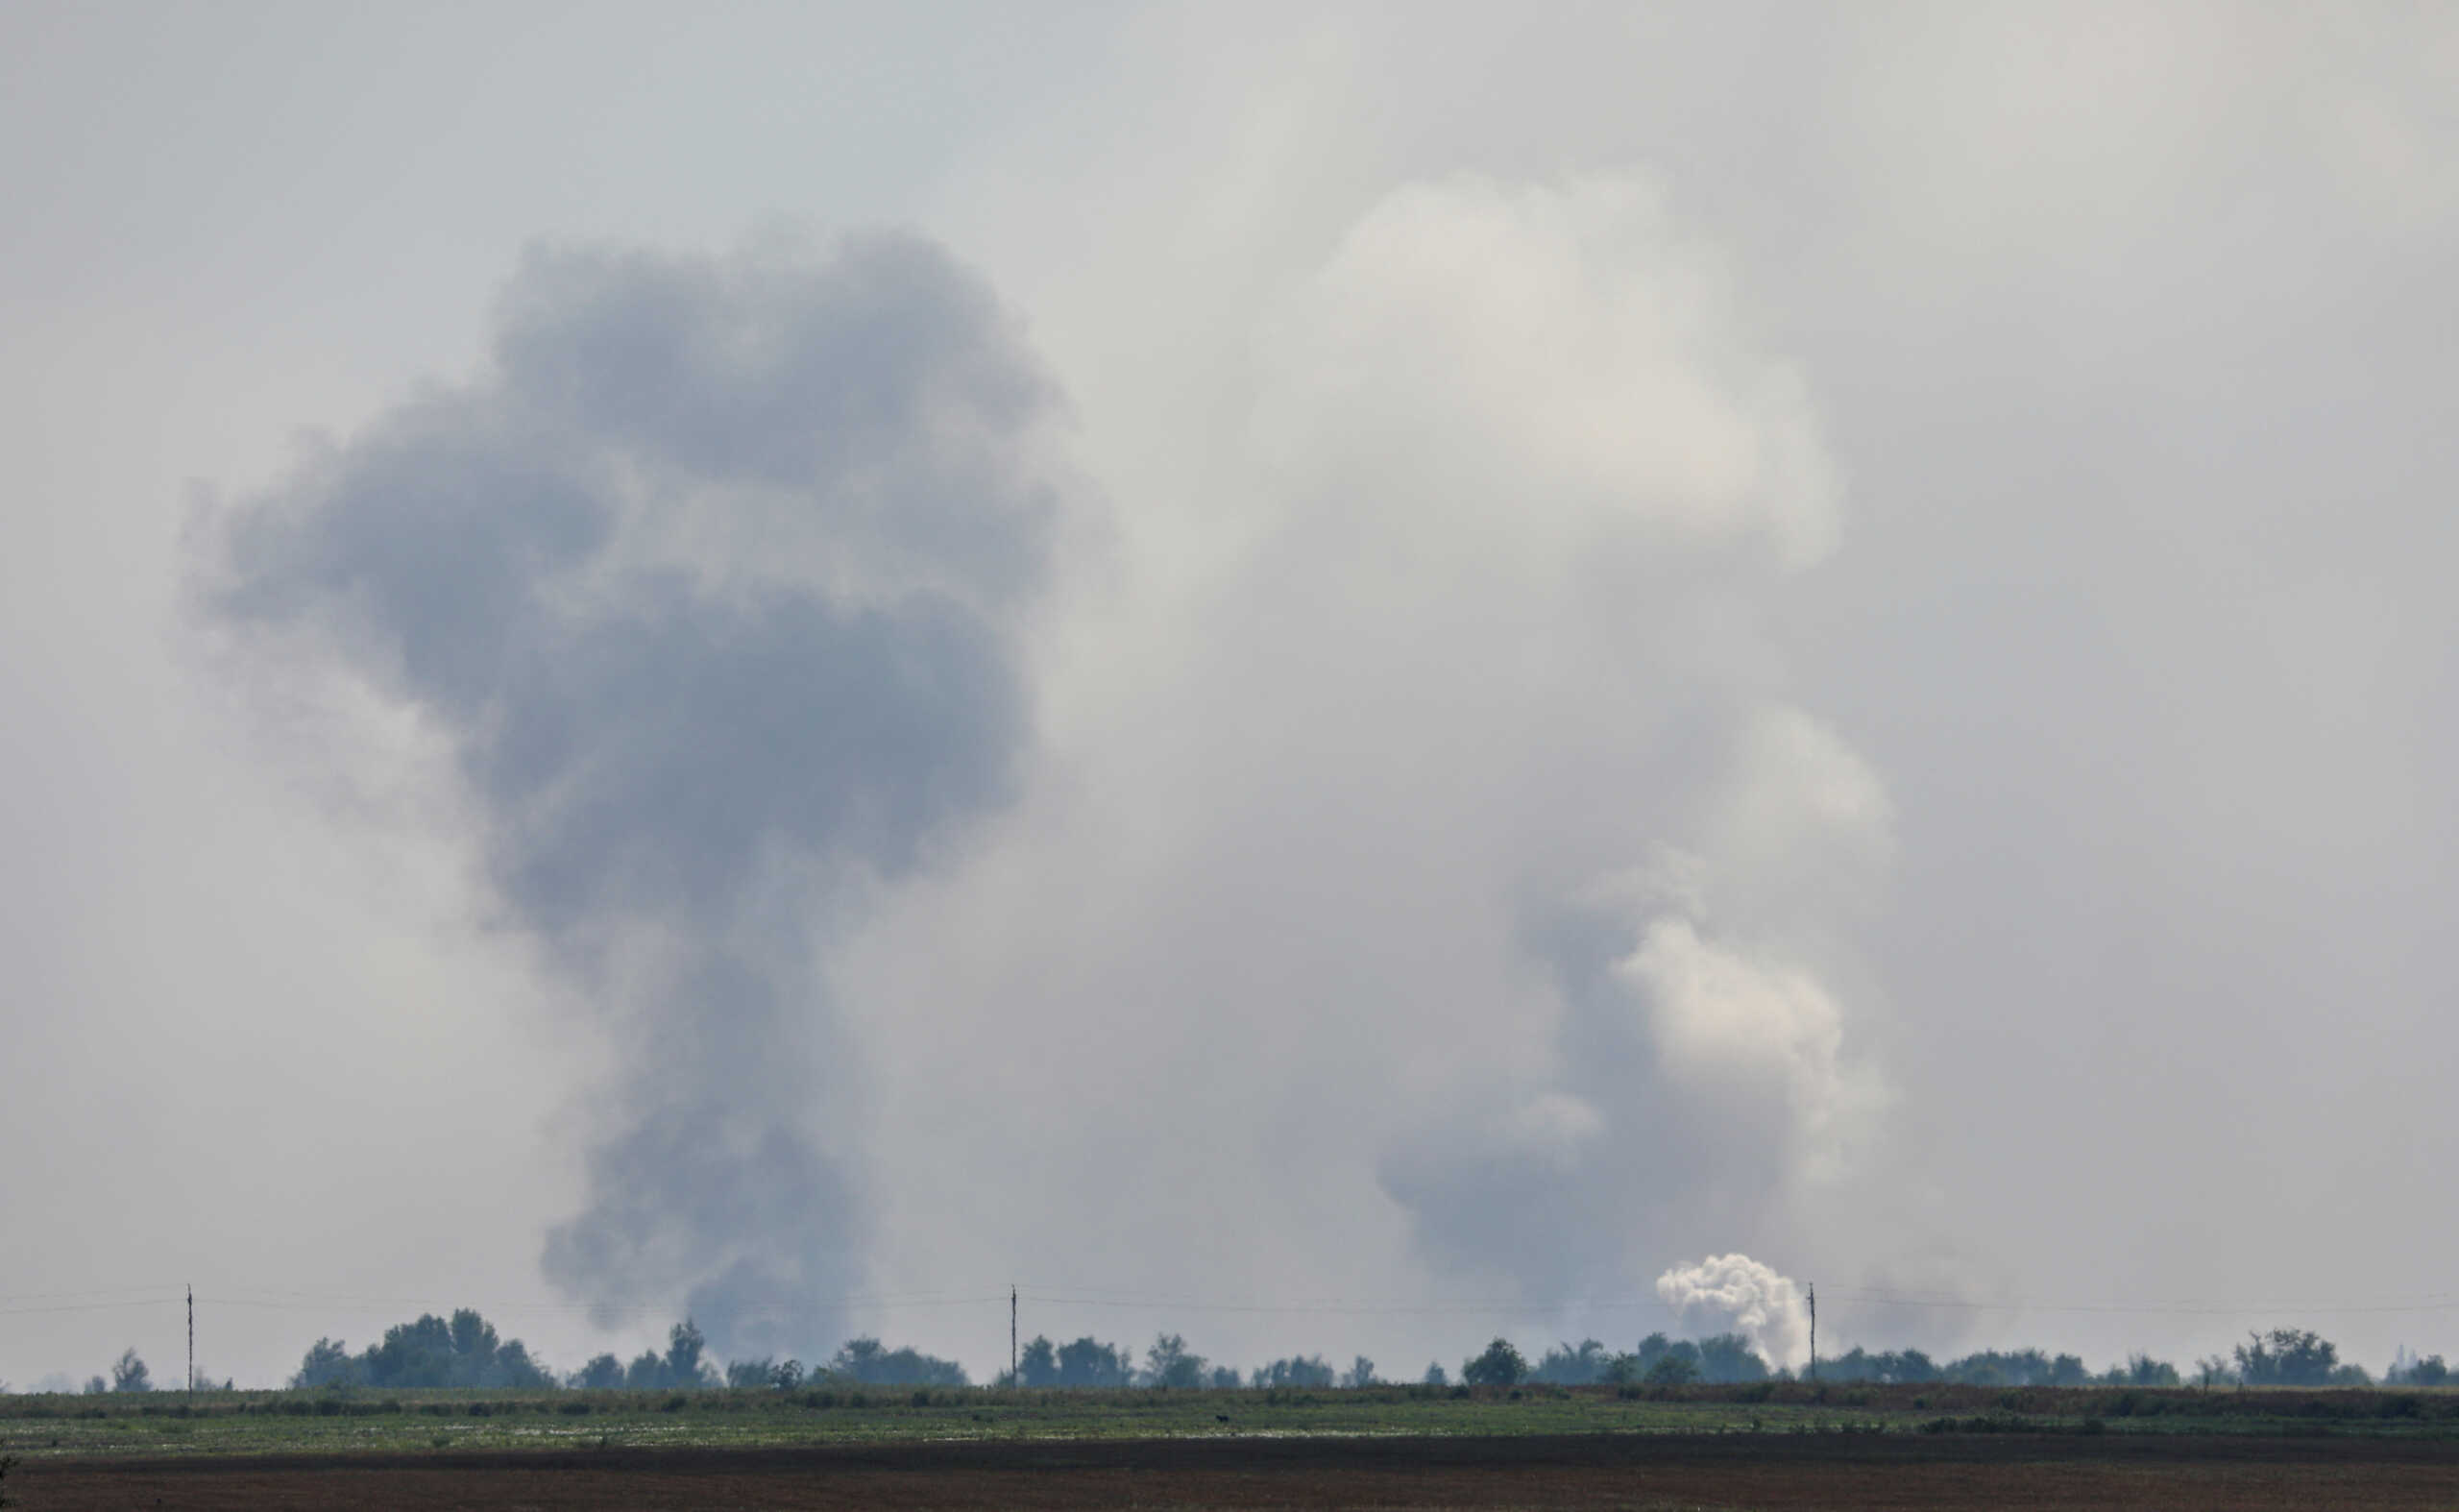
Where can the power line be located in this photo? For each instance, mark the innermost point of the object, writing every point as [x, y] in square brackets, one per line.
[2439, 1302]
[104, 1291]
[2434, 1302]
[306, 1300]
[91, 1306]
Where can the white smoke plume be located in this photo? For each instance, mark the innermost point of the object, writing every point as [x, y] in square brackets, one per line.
[1739, 1293]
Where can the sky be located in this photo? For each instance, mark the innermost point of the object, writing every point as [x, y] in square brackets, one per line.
[1337, 678]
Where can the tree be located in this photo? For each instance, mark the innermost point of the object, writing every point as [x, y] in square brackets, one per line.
[1892, 1367]
[415, 1353]
[1656, 1348]
[429, 1351]
[1225, 1377]
[1360, 1374]
[2006, 1368]
[1169, 1365]
[1089, 1362]
[514, 1368]
[1567, 1365]
[873, 1363]
[1434, 1375]
[473, 1346]
[605, 1373]
[129, 1373]
[1501, 1365]
[327, 1363]
[683, 1347]
[2287, 1357]
[1038, 1364]
[1728, 1358]
[1297, 1370]
[2142, 1370]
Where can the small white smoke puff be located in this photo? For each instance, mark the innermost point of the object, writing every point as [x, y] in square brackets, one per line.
[1767, 1307]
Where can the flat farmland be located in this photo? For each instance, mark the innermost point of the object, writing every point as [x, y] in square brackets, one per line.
[1774, 1447]
[1635, 1470]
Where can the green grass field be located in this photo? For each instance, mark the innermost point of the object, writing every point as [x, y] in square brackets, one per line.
[256, 1423]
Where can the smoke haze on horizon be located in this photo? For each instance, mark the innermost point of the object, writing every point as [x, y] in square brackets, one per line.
[1350, 660]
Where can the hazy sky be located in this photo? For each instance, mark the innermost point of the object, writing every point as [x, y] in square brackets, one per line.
[1290, 671]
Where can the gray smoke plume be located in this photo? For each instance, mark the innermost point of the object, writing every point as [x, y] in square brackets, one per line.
[710, 588]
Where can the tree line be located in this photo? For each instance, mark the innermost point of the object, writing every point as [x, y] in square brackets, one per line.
[465, 1350]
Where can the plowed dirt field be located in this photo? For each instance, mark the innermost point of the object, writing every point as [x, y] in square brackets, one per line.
[1773, 1471]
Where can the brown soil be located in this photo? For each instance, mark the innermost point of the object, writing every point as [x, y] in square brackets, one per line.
[1660, 1472]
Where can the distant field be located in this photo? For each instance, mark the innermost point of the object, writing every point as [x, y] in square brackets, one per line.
[165, 1424]
[1741, 1472]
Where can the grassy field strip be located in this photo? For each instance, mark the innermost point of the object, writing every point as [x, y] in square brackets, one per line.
[412, 1421]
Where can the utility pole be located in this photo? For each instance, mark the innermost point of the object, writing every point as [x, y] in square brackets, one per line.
[1011, 1336]
[191, 1341]
[1814, 1331]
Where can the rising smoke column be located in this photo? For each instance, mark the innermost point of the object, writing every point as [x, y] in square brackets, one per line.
[1460, 896]
[710, 585]
[1534, 423]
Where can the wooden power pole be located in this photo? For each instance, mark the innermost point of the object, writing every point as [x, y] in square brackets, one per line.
[1012, 1382]
[1814, 1331]
[191, 1341]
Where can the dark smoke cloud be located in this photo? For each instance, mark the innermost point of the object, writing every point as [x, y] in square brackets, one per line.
[710, 584]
